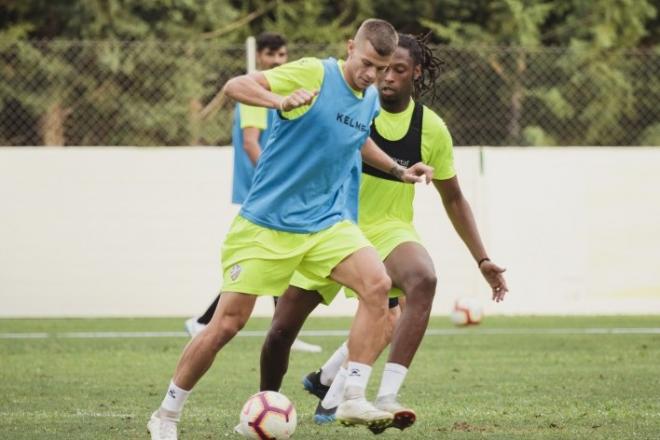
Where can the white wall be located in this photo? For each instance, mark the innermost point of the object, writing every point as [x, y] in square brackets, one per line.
[137, 231]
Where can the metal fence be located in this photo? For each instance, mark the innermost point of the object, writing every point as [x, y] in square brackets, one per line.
[151, 93]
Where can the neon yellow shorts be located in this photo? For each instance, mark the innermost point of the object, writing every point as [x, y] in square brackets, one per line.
[328, 289]
[260, 261]
[388, 235]
[385, 237]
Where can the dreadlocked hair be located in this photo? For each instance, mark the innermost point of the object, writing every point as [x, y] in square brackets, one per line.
[422, 55]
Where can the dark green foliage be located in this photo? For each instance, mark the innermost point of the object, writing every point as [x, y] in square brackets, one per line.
[518, 72]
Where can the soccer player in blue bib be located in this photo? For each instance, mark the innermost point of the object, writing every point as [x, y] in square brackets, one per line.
[295, 219]
[409, 132]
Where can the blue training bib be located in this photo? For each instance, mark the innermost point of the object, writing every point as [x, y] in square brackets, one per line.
[243, 168]
[301, 181]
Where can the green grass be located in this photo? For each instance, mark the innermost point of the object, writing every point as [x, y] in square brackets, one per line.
[466, 386]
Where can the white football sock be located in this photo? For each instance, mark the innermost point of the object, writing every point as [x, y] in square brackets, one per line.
[393, 376]
[356, 380]
[331, 367]
[335, 394]
[174, 398]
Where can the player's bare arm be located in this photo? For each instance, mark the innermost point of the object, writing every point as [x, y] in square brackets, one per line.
[253, 89]
[251, 143]
[459, 212]
[377, 158]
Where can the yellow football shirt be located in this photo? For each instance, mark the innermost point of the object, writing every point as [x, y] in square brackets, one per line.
[305, 73]
[383, 201]
[253, 117]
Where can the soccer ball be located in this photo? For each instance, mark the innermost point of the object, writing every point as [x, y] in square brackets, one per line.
[467, 311]
[268, 415]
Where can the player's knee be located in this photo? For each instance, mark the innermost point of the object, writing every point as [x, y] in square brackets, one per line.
[421, 286]
[280, 336]
[375, 290]
[381, 285]
[218, 334]
[230, 325]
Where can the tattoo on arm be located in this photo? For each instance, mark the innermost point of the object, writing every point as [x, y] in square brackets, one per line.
[397, 171]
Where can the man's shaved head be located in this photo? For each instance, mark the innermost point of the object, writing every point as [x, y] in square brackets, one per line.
[382, 36]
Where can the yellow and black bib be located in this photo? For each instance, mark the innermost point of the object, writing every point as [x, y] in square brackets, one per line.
[406, 151]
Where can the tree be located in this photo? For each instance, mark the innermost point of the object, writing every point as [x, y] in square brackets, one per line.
[127, 90]
[519, 72]
[609, 82]
[586, 92]
[512, 23]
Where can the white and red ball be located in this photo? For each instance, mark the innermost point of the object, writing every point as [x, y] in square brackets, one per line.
[467, 311]
[268, 415]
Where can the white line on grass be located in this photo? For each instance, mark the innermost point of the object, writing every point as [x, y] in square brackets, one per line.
[24, 335]
[59, 413]
[343, 333]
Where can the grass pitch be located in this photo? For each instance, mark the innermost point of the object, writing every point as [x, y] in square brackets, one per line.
[509, 378]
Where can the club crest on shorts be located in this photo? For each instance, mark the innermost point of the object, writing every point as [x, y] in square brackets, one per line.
[235, 272]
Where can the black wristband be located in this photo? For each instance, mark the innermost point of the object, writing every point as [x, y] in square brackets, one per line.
[481, 262]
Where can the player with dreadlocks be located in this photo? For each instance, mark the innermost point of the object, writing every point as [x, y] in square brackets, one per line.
[409, 132]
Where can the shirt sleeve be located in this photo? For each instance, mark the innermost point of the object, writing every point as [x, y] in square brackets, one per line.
[305, 73]
[437, 146]
[253, 117]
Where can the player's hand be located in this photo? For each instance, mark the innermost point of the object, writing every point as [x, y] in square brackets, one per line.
[493, 275]
[297, 99]
[420, 172]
